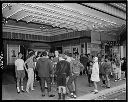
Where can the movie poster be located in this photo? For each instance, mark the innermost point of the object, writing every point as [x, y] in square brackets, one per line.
[12, 53]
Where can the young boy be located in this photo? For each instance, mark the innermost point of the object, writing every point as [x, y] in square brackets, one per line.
[20, 72]
[89, 69]
[62, 72]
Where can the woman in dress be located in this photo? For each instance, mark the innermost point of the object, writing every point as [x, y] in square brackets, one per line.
[95, 74]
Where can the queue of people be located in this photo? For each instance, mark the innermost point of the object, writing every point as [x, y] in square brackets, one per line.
[63, 71]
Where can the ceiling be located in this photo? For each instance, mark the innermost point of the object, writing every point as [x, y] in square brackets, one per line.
[58, 18]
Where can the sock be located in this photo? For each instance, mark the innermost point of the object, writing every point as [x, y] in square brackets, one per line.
[22, 88]
[18, 89]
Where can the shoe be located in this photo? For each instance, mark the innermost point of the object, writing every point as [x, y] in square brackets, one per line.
[27, 91]
[72, 95]
[51, 95]
[18, 92]
[32, 89]
[46, 87]
[43, 95]
[119, 79]
[103, 85]
[124, 78]
[22, 90]
[108, 87]
[116, 80]
[95, 91]
[75, 96]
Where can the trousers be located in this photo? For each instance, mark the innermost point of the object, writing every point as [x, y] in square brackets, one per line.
[30, 78]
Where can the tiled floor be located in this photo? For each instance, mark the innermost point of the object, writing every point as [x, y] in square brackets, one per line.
[9, 90]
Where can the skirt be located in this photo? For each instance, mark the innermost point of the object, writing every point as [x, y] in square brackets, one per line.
[61, 80]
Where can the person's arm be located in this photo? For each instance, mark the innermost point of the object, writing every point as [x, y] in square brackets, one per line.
[81, 66]
[37, 65]
[16, 71]
[16, 68]
[25, 67]
[27, 60]
[57, 67]
[50, 67]
[69, 69]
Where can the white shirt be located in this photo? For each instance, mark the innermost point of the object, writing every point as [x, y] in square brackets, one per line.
[20, 64]
[68, 59]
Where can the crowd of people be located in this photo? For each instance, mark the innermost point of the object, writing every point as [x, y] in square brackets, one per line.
[63, 71]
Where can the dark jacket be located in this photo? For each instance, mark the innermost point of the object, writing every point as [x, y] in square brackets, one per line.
[84, 60]
[44, 67]
[105, 68]
[63, 67]
[124, 66]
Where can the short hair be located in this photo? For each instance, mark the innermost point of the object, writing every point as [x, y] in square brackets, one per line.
[44, 53]
[19, 53]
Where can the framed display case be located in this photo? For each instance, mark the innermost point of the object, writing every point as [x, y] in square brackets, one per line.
[12, 53]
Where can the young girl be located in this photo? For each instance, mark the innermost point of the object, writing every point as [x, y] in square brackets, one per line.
[31, 67]
[95, 74]
[20, 72]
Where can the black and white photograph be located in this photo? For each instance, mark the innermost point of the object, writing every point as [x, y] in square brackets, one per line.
[64, 51]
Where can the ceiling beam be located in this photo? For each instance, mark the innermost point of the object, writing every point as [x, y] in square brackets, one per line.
[105, 10]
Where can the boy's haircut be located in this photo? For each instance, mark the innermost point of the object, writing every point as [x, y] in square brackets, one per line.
[31, 53]
[19, 53]
[44, 53]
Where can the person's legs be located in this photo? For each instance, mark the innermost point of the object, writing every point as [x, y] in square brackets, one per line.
[64, 92]
[103, 80]
[107, 82]
[29, 80]
[75, 84]
[69, 84]
[32, 79]
[42, 84]
[22, 80]
[119, 74]
[116, 76]
[48, 81]
[89, 79]
[18, 76]
[125, 73]
[18, 84]
[22, 85]
[95, 86]
[59, 92]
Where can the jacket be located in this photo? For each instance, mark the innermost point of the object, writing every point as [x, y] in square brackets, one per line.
[44, 67]
[105, 68]
[76, 67]
[63, 67]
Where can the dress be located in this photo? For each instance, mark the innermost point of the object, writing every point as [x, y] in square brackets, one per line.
[95, 72]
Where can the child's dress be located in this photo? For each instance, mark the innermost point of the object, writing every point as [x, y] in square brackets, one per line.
[95, 72]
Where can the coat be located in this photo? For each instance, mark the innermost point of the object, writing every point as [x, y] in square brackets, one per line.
[44, 67]
[63, 67]
[95, 72]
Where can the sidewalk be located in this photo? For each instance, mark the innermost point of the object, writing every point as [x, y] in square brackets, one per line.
[9, 91]
[102, 94]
